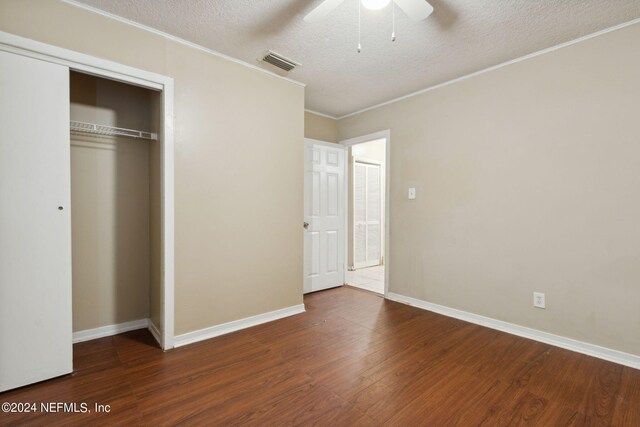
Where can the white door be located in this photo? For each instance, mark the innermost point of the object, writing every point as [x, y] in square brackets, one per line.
[367, 214]
[324, 216]
[35, 222]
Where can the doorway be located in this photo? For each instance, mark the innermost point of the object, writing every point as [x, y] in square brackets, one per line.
[37, 216]
[367, 212]
[115, 205]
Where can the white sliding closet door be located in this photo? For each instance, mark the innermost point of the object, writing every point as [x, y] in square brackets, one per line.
[367, 211]
[35, 224]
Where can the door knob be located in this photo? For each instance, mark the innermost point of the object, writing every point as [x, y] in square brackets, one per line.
[306, 225]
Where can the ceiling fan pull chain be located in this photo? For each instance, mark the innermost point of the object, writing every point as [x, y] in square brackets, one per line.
[393, 21]
[359, 45]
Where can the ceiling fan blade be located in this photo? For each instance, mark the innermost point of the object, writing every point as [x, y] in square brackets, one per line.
[415, 9]
[323, 9]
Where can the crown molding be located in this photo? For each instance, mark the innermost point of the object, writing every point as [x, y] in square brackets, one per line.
[495, 67]
[306, 110]
[178, 40]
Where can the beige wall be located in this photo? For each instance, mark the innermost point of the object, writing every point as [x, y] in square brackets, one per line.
[527, 180]
[372, 150]
[110, 205]
[238, 168]
[320, 127]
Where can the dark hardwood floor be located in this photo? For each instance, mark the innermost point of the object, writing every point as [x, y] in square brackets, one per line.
[352, 359]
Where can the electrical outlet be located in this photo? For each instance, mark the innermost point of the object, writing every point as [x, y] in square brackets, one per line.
[538, 300]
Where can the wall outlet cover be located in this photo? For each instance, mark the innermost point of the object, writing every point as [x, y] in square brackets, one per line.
[539, 300]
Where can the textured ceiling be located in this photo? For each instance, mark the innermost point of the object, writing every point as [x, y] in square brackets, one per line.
[460, 37]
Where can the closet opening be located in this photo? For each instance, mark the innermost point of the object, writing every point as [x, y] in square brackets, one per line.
[116, 201]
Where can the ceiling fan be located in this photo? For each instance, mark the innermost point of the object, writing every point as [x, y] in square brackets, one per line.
[415, 9]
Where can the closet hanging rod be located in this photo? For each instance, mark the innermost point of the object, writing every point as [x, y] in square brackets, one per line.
[111, 130]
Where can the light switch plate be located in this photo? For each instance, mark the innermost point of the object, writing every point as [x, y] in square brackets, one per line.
[412, 193]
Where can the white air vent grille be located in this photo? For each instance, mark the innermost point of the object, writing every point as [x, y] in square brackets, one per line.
[280, 61]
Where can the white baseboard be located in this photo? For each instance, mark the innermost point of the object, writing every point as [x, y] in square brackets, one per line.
[236, 325]
[106, 331]
[155, 331]
[611, 355]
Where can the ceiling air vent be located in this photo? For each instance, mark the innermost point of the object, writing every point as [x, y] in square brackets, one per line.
[280, 61]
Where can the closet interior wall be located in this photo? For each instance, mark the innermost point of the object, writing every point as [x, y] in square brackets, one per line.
[115, 200]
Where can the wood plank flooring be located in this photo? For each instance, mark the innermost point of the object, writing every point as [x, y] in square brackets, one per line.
[353, 359]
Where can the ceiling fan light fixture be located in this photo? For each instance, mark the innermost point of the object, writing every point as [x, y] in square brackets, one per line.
[375, 4]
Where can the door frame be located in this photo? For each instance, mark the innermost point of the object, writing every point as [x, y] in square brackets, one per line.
[386, 135]
[114, 71]
[383, 198]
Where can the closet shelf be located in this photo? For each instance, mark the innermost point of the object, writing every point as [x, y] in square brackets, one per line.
[111, 130]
